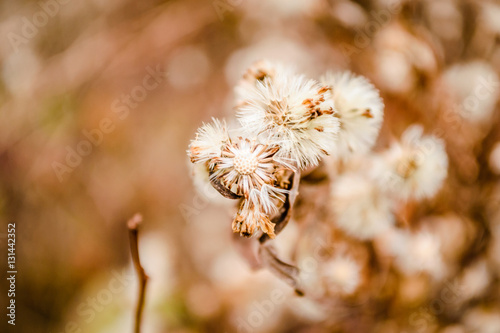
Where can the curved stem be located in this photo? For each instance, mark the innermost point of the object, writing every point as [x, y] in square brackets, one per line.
[133, 232]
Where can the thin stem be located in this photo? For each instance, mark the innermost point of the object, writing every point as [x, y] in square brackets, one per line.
[133, 233]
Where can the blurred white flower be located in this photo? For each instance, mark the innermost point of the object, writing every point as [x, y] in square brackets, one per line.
[342, 274]
[251, 217]
[293, 113]
[414, 168]
[417, 252]
[475, 87]
[360, 208]
[360, 110]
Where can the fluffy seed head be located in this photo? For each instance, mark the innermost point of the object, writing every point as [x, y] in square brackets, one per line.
[250, 218]
[208, 143]
[418, 252]
[245, 165]
[293, 113]
[414, 168]
[359, 207]
[359, 109]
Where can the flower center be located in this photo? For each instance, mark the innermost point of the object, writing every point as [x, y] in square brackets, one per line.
[245, 163]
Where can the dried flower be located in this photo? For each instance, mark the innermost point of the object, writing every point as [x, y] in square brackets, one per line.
[293, 113]
[241, 168]
[417, 252]
[414, 168]
[247, 168]
[360, 208]
[245, 165]
[210, 138]
[359, 109]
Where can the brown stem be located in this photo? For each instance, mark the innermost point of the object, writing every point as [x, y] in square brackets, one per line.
[133, 233]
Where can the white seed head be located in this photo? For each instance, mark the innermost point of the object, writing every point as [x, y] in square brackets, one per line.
[414, 168]
[359, 109]
[359, 207]
[417, 252]
[293, 113]
[210, 138]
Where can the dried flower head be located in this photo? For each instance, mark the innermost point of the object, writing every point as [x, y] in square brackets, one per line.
[414, 168]
[293, 113]
[250, 218]
[360, 208]
[359, 109]
[247, 168]
[245, 165]
[208, 143]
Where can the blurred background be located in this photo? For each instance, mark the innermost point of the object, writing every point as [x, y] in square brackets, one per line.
[99, 100]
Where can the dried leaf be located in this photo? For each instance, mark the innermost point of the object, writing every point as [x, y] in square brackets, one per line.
[286, 272]
[224, 191]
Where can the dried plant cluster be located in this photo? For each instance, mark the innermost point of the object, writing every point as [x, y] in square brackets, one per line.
[288, 123]
[322, 131]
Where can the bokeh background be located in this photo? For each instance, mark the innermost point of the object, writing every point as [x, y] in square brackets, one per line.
[98, 102]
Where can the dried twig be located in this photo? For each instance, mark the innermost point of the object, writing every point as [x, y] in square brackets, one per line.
[133, 224]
